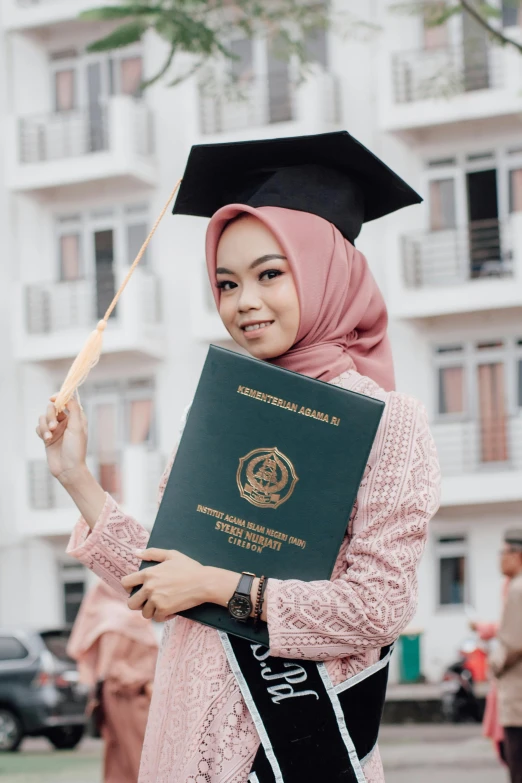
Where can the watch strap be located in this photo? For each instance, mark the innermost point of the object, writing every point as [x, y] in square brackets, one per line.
[244, 586]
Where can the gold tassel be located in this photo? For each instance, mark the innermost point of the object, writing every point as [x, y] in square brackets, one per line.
[90, 354]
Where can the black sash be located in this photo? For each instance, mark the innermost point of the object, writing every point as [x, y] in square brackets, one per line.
[309, 729]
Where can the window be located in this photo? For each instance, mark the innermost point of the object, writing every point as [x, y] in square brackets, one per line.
[492, 412]
[73, 578]
[442, 204]
[242, 66]
[435, 35]
[11, 649]
[452, 570]
[316, 46]
[131, 75]
[120, 413]
[515, 190]
[140, 421]
[279, 89]
[88, 246]
[451, 390]
[137, 233]
[478, 389]
[71, 267]
[73, 593]
[510, 13]
[65, 90]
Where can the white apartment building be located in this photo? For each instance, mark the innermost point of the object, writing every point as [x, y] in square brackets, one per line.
[87, 164]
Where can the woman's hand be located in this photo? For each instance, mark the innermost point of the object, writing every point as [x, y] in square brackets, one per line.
[65, 439]
[176, 584]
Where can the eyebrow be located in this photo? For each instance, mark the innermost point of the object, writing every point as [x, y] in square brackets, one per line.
[221, 270]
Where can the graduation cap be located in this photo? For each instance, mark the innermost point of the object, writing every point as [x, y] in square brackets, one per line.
[331, 175]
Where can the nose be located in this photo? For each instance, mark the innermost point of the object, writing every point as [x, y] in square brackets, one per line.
[248, 299]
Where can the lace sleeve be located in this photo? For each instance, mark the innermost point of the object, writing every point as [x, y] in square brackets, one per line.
[108, 548]
[376, 594]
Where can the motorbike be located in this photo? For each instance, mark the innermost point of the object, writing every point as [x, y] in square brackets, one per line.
[459, 703]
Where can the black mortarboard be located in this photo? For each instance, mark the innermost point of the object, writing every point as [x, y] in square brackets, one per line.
[330, 174]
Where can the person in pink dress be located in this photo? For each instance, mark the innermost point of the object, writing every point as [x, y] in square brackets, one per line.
[116, 652]
[290, 288]
[491, 723]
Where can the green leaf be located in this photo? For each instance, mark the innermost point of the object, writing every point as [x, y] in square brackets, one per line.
[118, 12]
[123, 36]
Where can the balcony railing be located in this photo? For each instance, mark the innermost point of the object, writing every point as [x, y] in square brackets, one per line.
[479, 446]
[456, 255]
[60, 135]
[446, 71]
[55, 307]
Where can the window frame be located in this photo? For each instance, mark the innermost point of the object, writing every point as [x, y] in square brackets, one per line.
[110, 73]
[86, 222]
[470, 358]
[504, 159]
[70, 572]
[121, 394]
[446, 550]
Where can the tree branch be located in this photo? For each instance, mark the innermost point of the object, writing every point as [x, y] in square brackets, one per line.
[467, 5]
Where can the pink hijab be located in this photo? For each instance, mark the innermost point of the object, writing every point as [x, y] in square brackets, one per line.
[343, 315]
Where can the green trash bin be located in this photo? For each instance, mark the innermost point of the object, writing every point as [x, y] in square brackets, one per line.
[410, 656]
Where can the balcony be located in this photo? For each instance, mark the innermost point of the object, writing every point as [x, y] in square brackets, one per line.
[433, 87]
[85, 145]
[133, 477]
[478, 267]
[53, 319]
[282, 108]
[34, 14]
[481, 462]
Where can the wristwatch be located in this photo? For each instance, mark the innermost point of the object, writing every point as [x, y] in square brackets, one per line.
[240, 605]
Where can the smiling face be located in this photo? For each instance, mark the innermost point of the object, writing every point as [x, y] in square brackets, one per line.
[258, 304]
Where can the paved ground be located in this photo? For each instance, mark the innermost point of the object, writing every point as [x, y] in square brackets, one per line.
[438, 754]
[412, 754]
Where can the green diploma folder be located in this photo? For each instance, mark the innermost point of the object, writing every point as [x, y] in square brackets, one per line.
[265, 476]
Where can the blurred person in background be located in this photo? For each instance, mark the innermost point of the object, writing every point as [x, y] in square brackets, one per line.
[506, 660]
[116, 651]
[491, 724]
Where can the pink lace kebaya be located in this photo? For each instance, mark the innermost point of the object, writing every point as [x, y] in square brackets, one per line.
[199, 730]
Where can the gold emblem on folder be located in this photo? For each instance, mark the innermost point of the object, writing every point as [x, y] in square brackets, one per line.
[266, 478]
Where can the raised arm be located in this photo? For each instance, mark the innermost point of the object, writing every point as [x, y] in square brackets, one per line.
[104, 539]
[375, 595]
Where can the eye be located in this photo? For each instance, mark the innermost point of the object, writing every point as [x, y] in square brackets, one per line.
[226, 285]
[270, 274]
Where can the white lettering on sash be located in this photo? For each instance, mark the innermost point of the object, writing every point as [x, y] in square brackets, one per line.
[278, 693]
[283, 690]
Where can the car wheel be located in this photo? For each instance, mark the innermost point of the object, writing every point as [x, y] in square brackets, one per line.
[65, 737]
[11, 731]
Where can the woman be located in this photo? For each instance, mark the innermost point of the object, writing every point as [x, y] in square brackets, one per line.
[290, 288]
[116, 652]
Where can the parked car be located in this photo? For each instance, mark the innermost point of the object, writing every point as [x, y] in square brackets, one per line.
[39, 690]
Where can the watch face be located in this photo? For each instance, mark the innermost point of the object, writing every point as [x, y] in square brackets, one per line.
[240, 607]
